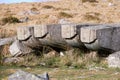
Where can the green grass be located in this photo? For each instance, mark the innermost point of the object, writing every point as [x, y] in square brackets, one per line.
[64, 73]
[72, 66]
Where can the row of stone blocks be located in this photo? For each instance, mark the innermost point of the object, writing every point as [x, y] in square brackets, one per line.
[64, 36]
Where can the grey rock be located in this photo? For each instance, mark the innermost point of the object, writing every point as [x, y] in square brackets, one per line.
[33, 12]
[8, 60]
[21, 75]
[17, 48]
[63, 21]
[5, 41]
[96, 68]
[25, 19]
[114, 59]
[101, 36]
[29, 12]
[24, 33]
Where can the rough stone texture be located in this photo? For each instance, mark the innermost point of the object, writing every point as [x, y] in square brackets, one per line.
[94, 36]
[114, 59]
[71, 34]
[21, 75]
[88, 35]
[54, 31]
[27, 37]
[68, 30]
[63, 21]
[32, 41]
[107, 36]
[25, 19]
[8, 60]
[17, 48]
[23, 33]
[54, 38]
[40, 31]
[7, 40]
[60, 36]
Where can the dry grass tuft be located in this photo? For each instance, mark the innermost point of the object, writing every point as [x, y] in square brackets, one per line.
[65, 15]
[74, 58]
[91, 16]
[34, 9]
[48, 7]
[10, 19]
[89, 1]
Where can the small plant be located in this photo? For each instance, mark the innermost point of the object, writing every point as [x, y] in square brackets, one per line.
[0, 58]
[51, 62]
[66, 15]
[10, 19]
[88, 1]
[59, 8]
[48, 7]
[92, 16]
[34, 9]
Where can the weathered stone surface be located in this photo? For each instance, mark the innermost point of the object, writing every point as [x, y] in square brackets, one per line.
[24, 33]
[63, 21]
[54, 38]
[68, 30]
[32, 42]
[7, 40]
[9, 60]
[17, 48]
[88, 35]
[94, 36]
[70, 33]
[27, 37]
[107, 36]
[25, 19]
[56, 35]
[40, 31]
[54, 31]
[21, 75]
[114, 59]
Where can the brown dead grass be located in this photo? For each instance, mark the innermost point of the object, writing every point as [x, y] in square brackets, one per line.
[50, 12]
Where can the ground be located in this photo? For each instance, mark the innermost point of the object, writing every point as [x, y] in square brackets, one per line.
[102, 11]
[66, 73]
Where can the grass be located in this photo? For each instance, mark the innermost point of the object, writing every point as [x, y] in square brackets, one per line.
[65, 15]
[9, 19]
[88, 1]
[74, 65]
[34, 9]
[91, 16]
[48, 7]
[74, 58]
[64, 73]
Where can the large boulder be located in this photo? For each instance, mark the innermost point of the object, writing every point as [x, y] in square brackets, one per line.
[17, 48]
[114, 59]
[21, 75]
[101, 36]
